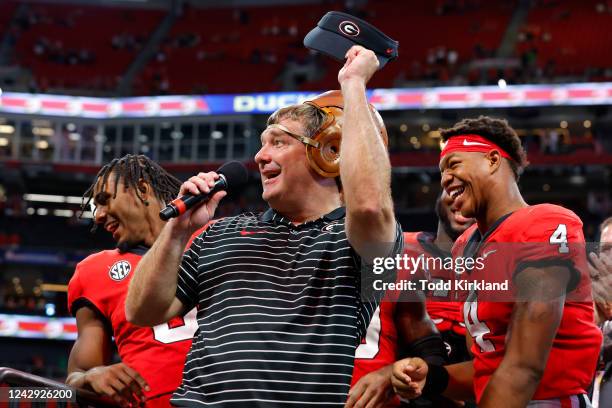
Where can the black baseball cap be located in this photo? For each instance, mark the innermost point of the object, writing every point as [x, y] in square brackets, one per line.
[337, 32]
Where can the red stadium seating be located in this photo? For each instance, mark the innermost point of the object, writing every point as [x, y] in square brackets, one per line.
[228, 50]
[230, 43]
[225, 58]
[7, 8]
[69, 29]
[573, 34]
[420, 27]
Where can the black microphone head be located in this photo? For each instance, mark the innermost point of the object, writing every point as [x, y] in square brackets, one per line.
[236, 175]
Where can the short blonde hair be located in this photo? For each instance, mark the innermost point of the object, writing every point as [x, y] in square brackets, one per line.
[311, 117]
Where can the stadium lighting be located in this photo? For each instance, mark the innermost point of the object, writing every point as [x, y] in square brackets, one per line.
[45, 198]
[50, 309]
[8, 129]
[42, 131]
[49, 198]
[73, 199]
[63, 213]
[53, 287]
[42, 145]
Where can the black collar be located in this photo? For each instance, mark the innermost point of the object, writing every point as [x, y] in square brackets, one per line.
[138, 249]
[426, 239]
[477, 239]
[271, 215]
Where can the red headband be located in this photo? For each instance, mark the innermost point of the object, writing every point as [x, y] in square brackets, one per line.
[471, 143]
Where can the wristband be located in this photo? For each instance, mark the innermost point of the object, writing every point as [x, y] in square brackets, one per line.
[436, 381]
[430, 348]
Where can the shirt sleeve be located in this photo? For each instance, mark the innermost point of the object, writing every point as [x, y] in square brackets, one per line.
[554, 239]
[84, 295]
[368, 298]
[187, 280]
[75, 290]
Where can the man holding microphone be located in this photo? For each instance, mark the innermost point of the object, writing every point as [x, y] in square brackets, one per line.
[280, 295]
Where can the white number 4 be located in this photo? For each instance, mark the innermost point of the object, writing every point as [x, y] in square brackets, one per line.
[475, 327]
[559, 237]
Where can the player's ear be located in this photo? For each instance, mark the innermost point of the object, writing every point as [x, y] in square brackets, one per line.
[495, 159]
[144, 189]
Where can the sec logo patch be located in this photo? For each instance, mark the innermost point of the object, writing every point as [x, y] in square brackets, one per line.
[119, 270]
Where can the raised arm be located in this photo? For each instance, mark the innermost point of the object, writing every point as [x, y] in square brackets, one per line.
[365, 169]
[151, 298]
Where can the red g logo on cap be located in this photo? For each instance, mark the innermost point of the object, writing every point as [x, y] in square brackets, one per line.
[349, 28]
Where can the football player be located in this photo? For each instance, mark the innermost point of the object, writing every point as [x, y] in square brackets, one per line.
[538, 347]
[128, 194]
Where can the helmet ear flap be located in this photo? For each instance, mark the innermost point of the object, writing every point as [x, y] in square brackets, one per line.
[325, 159]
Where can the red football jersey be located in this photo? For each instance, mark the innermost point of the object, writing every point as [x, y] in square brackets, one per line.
[379, 347]
[157, 353]
[445, 314]
[545, 234]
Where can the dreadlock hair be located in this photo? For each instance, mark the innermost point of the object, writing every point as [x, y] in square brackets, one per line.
[132, 169]
[497, 131]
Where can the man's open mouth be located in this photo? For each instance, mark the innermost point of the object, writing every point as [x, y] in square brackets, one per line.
[111, 226]
[456, 192]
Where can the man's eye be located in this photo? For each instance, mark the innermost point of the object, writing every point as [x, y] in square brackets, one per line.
[101, 198]
[277, 142]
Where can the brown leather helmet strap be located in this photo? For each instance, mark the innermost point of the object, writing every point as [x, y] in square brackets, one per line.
[304, 139]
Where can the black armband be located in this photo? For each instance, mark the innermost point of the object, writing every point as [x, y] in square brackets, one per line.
[430, 348]
[437, 380]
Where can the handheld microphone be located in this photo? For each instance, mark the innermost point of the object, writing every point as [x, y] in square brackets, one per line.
[232, 176]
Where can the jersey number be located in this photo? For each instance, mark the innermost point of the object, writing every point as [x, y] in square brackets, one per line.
[369, 349]
[166, 334]
[476, 328]
[559, 237]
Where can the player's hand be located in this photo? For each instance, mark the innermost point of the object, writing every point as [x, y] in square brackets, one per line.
[360, 65]
[372, 390]
[197, 217]
[408, 377]
[119, 382]
[600, 269]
